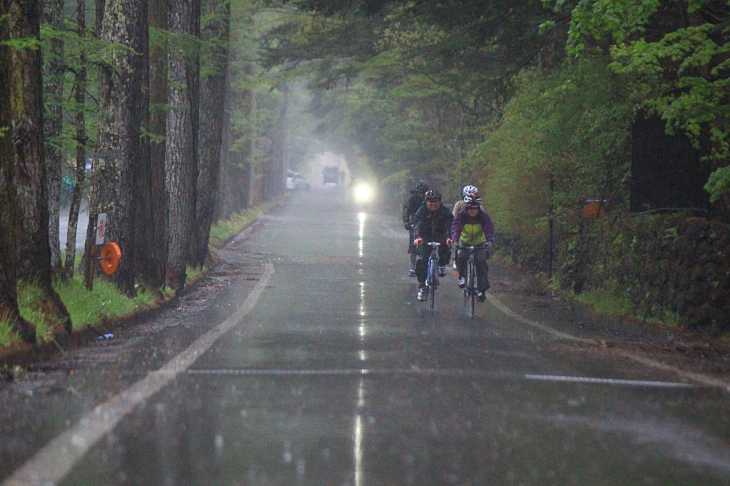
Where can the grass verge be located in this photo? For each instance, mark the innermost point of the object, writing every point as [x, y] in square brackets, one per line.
[604, 303]
[222, 231]
[105, 302]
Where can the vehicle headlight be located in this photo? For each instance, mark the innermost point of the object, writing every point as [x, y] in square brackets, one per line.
[363, 193]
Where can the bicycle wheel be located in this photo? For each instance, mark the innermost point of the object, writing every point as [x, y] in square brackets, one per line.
[472, 286]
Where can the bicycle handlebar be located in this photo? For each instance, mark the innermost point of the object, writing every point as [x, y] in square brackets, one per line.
[486, 246]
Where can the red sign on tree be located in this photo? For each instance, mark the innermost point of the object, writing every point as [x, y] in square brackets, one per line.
[101, 227]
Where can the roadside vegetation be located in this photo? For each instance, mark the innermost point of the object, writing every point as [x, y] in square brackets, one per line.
[106, 303]
[222, 231]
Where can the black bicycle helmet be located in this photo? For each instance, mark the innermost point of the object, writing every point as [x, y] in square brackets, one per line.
[421, 186]
[432, 195]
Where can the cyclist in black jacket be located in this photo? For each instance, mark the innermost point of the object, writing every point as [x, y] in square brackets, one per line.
[410, 207]
[433, 223]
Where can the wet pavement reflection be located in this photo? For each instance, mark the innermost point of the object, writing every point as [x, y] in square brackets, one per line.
[339, 376]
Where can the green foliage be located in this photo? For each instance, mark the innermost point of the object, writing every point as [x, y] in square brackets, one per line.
[595, 19]
[257, 99]
[75, 47]
[104, 302]
[681, 74]
[86, 308]
[192, 274]
[570, 126]
[20, 44]
[719, 183]
[547, 26]
[8, 337]
[222, 231]
[415, 85]
[605, 302]
[31, 304]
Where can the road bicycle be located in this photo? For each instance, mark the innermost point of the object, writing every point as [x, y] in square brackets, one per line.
[432, 273]
[470, 290]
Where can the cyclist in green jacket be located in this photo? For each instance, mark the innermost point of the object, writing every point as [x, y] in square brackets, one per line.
[473, 227]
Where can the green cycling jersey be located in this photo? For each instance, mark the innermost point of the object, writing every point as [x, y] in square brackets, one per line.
[472, 234]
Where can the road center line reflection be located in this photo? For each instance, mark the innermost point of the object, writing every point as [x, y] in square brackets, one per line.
[362, 310]
[361, 386]
[361, 234]
[359, 432]
[608, 381]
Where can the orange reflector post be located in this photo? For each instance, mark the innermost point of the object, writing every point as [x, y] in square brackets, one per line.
[110, 256]
[593, 210]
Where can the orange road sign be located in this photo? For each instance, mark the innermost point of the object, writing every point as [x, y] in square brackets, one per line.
[593, 210]
[110, 256]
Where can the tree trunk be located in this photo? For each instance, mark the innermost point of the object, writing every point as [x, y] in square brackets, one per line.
[144, 209]
[232, 179]
[81, 140]
[53, 73]
[276, 168]
[8, 197]
[99, 6]
[34, 253]
[181, 130]
[212, 96]
[256, 175]
[118, 144]
[151, 222]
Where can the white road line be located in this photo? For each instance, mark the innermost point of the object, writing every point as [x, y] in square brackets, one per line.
[697, 377]
[458, 373]
[54, 461]
[562, 335]
[608, 381]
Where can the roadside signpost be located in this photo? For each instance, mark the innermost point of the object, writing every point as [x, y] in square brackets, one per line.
[101, 226]
[109, 255]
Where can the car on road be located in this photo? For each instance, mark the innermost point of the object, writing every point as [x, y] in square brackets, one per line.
[330, 175]
[294, 180]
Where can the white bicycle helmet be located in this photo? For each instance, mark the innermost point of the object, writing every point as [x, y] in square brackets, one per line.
[469, 190]
[472, 201]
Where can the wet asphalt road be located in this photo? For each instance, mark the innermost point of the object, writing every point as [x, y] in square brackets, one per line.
[337, 376]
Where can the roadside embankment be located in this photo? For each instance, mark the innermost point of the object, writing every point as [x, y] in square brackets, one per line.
[670, 268]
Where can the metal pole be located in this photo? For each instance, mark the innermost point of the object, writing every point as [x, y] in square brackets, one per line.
[551, 223]
[90, 250]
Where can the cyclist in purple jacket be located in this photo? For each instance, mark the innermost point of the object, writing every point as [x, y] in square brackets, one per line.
[473, 227]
